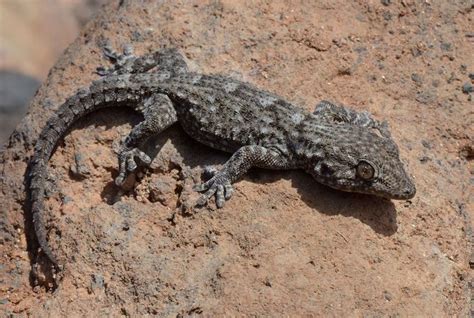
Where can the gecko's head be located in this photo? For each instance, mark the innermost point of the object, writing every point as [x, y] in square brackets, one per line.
[362, 161]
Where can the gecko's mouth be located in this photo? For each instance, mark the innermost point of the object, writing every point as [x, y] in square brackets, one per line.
[403, 193]
[407, 193]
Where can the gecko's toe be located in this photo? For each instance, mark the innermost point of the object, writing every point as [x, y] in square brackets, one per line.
[131, 165]
[228, 191]
[102, 71]
[200, 187]
[120, 179]
[128, 49]
[121, 62]
[220, 199]
[122, 172]
[128, 162]
[202, 201]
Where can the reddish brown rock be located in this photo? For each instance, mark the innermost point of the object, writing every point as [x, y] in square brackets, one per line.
[283, 245]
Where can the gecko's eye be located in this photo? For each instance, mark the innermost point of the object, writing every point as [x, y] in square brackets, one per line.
[365, 170]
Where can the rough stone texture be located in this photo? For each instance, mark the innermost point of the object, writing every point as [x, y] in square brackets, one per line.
[283, 244]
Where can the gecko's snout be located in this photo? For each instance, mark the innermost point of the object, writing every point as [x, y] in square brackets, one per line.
[409, 192]
[406, 193]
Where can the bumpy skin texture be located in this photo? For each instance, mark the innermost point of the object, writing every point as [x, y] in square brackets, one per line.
[339, 147]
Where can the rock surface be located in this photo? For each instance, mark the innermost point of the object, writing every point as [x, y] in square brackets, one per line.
[283, 244]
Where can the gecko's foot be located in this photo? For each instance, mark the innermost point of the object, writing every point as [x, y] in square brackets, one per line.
[128, 162]
[219, 185]
[122, 62]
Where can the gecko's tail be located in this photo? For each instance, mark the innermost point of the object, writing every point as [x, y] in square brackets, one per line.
[52, 132]
[101, 94]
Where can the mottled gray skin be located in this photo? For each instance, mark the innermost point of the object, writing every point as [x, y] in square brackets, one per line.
[339, 147]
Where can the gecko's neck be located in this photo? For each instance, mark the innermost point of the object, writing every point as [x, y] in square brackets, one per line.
[310, 141]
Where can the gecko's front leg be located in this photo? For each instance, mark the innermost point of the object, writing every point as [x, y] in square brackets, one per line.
[241, 161]
[159, 113]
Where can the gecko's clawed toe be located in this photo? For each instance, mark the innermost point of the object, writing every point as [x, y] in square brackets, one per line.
[220, 196]
[228, 191]
[129, 161]
[121, 62]
[219, 185]
[131, 164]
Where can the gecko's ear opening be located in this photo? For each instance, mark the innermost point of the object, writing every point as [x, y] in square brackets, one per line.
[323, 169]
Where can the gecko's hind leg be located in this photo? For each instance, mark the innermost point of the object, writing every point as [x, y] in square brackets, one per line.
[159, 114]
[169, 60]
[121, 62]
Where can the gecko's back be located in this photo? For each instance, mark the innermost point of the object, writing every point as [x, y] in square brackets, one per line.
[226, 114]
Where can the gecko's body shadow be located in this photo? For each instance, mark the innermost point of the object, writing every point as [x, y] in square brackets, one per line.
[378, 213]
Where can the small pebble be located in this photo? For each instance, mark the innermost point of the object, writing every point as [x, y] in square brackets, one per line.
[417, 79]
[467, 88]
[79, 168]
[97, 281]
[426, 144]
[446, 47]
[425, 97]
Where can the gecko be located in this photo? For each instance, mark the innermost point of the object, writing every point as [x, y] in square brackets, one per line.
[338, 146]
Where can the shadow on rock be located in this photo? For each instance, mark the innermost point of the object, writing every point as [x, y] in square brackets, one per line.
[378, 213]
